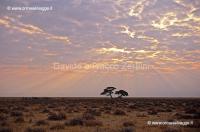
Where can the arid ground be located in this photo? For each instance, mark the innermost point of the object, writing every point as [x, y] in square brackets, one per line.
[99, 114]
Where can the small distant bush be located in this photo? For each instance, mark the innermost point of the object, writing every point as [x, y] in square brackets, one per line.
[132, 106]
[16, 113]
[93, 123]
[75, 122]
[88, 116]
[119, 112]
[190, 110]
[152, 112]
[141, 115]
[3, 117]
[35, 130]
[4, 110]
[19, 120]
[4, 123]
[196, 124]
[107, 108]
[45, 111]
[94, 112]
[57, 127]
[128, 123]
[127, 129]
[57, 116]
[41, 123]
[6, 129]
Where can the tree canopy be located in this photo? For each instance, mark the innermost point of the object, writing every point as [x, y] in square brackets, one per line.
[110, 90]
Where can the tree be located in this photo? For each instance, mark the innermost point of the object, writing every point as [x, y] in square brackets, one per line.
[121, 93]
[108, 91]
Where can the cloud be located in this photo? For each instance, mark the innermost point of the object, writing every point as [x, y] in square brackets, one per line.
[137, 8]
[29, 29]
[127, 31]
[167, 20]
[111, 50]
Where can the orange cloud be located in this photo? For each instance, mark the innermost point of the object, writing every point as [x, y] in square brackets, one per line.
[127, 31]
[11, 23]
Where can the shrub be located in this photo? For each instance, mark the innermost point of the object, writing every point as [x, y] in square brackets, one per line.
[93, 123]
[74, 122]
[132, 106]
[4, 110]
[4, 123]
[57, 116]
[57, 127]
[5, 129]
[190, 111]
[88, 116]
[41, 122]
[119, 112]
[187, 116]
[45, 111]
[94, 112]
[128, 123]
[196, 124]
[127, 129]
[107, 108]
[16, 113]
[152, 112]
[35, 130]
[3, 117]
[141, 115]
[19, 120]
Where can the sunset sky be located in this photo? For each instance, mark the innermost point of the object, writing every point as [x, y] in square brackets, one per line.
[163, 35]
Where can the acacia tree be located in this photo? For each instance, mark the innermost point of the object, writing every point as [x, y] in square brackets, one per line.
[121, 93]
[108, 91]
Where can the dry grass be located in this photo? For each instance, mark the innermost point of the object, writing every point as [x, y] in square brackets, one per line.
[96, 115]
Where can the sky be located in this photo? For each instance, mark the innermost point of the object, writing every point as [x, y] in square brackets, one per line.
[76, 48]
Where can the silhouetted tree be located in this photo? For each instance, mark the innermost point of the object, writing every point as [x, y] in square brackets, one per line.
[121, 93]
[108, 91]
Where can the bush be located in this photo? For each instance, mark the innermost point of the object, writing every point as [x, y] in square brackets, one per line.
[5, 129]
[196, 124]
[16, 113]
[152, 112]
[141, 115]
[4, 123]
[127, 129]
[132, 106]
[45, 111]
[41, 122]
[190, 111]
[57, 116]
[107, 108]
[35, 130]
[88, 116]
[119, 112]
[128, 123]
[3, 117]
[187, 116]
[93, 123]
[74, 122]
[4, 110]
[19, 120]
[57, 127]
[94, 112]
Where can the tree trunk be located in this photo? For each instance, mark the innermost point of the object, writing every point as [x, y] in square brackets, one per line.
[120, 96]
[111, 96]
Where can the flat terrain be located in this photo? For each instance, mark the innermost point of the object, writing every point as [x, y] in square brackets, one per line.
[99, 114]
